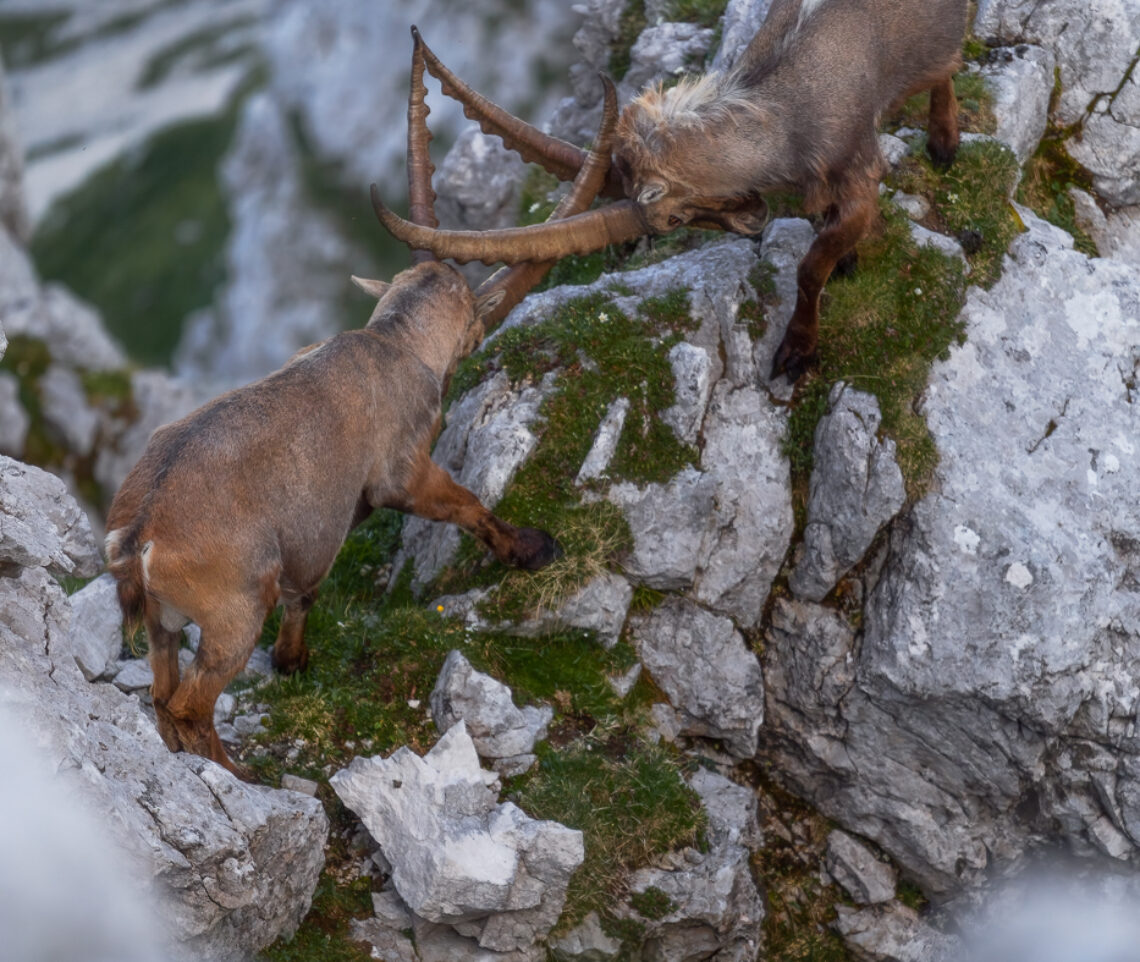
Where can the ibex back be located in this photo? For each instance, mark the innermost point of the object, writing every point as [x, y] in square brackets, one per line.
[244, 504]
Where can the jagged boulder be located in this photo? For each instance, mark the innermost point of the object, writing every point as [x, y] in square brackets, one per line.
[233, 866]
[459, 857]
[499, 729]
[1096, 50]
[990, 693]
[856, 488]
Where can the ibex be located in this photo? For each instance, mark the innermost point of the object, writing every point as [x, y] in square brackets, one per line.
[798, 112]
[244, 504]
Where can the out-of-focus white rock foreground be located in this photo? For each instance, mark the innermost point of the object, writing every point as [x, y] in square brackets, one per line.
[948, 680]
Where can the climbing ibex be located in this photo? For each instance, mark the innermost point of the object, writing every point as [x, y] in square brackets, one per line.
[244, 504]
[798, 112]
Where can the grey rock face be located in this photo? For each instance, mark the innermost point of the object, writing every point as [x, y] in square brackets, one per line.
[13, 209]
[701, 662]
[282, 280]
[742, 18]
[856, 487]
[992, 695]
[499, 729]
[663, 50]
[478, 183]
[605, 444]
[586, 942]
[14, 420]
[96, 626]
[486, 438]
[713, 908]
[234, 865]
[752, 520]
[40, 523]
[893, 933]
[1021, 80]
[65, 408]
[1095, 47]
[600, 606]
[458, 857]
[854, 866]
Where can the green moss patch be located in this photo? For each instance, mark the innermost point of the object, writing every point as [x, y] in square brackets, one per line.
[1049, 176]
[602, 354]
[629, 799]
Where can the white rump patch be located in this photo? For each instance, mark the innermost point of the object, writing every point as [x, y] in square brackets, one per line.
[170, 618]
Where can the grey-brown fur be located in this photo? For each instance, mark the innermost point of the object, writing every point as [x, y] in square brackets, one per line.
[798, 112]
[244, 503]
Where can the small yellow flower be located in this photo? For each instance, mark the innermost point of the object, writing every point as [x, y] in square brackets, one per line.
[439, 607]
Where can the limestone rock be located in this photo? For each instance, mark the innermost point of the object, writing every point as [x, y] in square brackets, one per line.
[459, 858]
[486, 438]
[1021, 79]
[1095, 49]
[992, 694]
[66, 409]
[498, 728]
[701, 662]
[854, 866]
[751, 521]
[692, 372]
[280, 279]
[605, 444]
[14, 420]
[742, 18]
[668, 522]
[586, 942]
[731, 809]
[96, 626]
[856, 488]
[478, 183]
[893, 933]
[234, 865]
[40, 523]
[600, 606]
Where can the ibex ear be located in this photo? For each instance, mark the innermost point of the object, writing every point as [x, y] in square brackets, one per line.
[488, 302]
[651, 193]
[375, 288]
[749, 221]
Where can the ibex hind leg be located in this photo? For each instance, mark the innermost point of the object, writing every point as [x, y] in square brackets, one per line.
[223, 651]
[942, 131]
[163, 648]
[290, 652]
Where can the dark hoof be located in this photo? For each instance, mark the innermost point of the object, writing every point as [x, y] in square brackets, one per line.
[288, 665]
[534, 549]
[941, 157]
[971, 240]
[791, 363]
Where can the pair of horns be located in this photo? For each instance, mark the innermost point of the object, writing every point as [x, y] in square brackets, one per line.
[571, 229]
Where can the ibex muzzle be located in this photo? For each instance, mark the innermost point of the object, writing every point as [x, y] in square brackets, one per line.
[244, 504]
[797, 113]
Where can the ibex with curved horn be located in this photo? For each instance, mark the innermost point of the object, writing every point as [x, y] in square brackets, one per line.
[798, 112]
[244, 504]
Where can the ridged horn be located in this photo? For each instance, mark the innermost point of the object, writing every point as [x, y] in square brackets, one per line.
[514, 283]
[556, 156]
[421, 196]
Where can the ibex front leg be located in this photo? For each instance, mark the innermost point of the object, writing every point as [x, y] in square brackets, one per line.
[853, 213]
[433, 494]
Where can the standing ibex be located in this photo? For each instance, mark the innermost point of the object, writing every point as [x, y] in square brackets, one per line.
[244, 504]
[797, 112]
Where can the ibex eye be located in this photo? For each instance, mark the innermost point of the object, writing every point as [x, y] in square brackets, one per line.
[674, 220]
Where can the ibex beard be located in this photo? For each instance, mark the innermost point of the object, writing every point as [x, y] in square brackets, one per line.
[244, 504]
